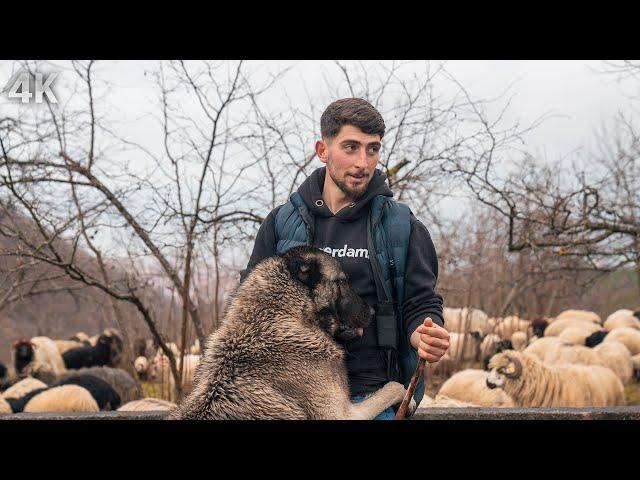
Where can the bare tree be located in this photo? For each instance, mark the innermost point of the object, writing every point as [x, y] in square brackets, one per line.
[62, 169]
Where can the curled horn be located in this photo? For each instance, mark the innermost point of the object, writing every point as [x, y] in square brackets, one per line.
[517, 371]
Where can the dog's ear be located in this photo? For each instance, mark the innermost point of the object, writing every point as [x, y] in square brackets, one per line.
[305, 271]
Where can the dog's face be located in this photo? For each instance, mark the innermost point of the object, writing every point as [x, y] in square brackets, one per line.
[336, 304]
[504, 367]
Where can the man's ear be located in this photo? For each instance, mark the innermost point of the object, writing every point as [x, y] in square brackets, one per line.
[322, 151]
[306, 272]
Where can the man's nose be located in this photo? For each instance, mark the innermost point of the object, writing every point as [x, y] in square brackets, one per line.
[361, 160]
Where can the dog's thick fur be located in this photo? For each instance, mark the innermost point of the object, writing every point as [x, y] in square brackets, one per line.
[275, 357]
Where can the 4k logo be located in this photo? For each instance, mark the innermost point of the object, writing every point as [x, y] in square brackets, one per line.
[30, 87]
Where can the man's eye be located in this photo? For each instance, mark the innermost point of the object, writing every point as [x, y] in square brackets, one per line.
[350, 148]
[374, 150]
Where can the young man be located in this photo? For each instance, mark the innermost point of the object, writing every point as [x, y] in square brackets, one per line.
[337, 202]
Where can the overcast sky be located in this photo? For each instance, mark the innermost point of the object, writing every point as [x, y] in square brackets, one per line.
[576, 96]
[579, 97]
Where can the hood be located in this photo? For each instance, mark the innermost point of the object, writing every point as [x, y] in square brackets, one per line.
[311, 191]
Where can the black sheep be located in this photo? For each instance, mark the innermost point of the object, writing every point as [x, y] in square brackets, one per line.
[99, 355]
[17, 404]
[103, 393]
[3, 373]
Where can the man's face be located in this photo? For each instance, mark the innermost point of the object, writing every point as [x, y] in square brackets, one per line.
[351, 158]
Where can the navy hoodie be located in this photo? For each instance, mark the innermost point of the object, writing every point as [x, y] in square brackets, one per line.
[344, 236]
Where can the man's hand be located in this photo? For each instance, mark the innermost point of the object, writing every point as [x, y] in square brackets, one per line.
[431, 340]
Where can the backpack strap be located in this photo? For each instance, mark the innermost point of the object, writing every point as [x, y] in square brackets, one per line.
[391, 229]
[293, 224]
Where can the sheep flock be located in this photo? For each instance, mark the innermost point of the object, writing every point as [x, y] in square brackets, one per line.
[576, 359]
[91, 374]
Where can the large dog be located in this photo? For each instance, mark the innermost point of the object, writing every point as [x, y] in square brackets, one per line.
[275, 357]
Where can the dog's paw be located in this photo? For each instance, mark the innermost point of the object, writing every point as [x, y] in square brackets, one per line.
[396, 389]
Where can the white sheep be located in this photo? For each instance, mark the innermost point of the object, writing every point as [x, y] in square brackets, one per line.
[616, 356]
[511, 324]
[519, 340]
[575, 335]
[4, 406]
[583, 315]
[66, 345]
[80, 337]
[556, 328]
[146, 405]
[45, 350]
[195, 348]
[463, 346]
[470, 386]
[543, 347]
[444, 402]
[160, 371]
[23, 387]
[531, 383]
[462, 320]
[66, 398]
[141, 366]
[442, 368]
[622, 321]
[629, 337]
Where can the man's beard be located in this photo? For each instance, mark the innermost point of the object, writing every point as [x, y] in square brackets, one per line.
[349, 192]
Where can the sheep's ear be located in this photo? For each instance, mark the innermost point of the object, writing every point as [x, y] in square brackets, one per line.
[514, 368]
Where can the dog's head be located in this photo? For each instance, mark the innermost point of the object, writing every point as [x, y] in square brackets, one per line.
[336, 304]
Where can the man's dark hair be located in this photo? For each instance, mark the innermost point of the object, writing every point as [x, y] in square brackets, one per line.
[351, 111]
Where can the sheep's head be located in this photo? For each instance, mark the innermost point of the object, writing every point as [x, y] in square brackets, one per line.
[595, 338]
[504, 345]
[504, 366]
[24, 354]
[475, 334]
[141, 365]
[538, 325]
